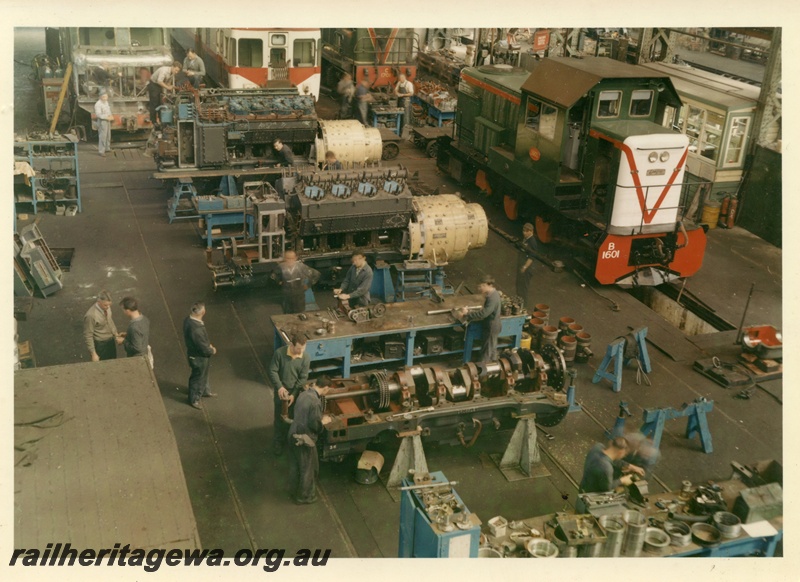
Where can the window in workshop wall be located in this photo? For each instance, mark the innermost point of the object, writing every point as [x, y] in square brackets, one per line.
[734, 151]
[712, 135]
[704, 130]
[608, 104]
[304, 52]
[641, 103]
[251, 52]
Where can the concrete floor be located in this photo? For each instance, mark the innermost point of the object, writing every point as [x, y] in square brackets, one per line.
[123, 243]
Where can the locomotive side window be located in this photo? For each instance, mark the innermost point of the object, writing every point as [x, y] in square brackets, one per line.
[541, 118]
[232, 51]
[608, 104]
[277, 40]
[251, 52]
[641, 103]
[304, 53]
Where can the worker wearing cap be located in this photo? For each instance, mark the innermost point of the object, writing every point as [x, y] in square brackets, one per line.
[102, 111]
[489, 316]
[525, 265]
[306, 428]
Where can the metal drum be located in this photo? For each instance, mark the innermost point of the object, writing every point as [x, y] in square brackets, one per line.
[590, 551]
[636, 524]
[350, 141]
[489, 552]
[656, 541]
[614, 527]
[728, 524]
[679, 532]
[540, 548]
[445, 227]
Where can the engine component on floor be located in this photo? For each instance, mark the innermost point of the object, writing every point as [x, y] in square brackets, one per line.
[235, 129]
[35, 267]
[326, 215]
[367, 406]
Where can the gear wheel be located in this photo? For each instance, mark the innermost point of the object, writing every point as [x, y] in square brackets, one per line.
[557, 373]
[379, 383]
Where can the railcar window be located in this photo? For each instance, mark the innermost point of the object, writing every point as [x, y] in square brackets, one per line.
[304, 54]
[608, 104]
[736, 141]
[232, 51]
[641, 103]
[277, 40]
[251, 52]
[147, 36]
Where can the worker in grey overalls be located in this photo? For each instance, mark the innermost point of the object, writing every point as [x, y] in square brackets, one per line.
[102, 111]
[489, 316]
[296, 277]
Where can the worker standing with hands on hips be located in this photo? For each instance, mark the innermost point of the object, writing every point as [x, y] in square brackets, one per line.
[288, 373]
[488, 315]
[354, 291]
[296, 277]
[404, 90]
[306, 428]
[525, 271]
[102, 111]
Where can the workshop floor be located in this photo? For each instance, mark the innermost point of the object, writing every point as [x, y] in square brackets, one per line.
[123, 243]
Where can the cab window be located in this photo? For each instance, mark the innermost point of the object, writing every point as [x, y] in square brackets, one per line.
[641, 103]
[608, 104]
[541, 118]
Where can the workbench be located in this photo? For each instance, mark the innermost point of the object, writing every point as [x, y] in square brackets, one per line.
[438, 116]
[408, 320]
[742, 545]
[388, 117]
[225, 217]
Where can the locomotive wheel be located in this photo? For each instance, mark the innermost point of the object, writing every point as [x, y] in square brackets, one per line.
[390, 151]
[510, 207]
[544, 229]
[433, 149]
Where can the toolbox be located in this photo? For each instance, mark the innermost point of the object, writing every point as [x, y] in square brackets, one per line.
[454, 342]
[431, 344]
[393, 348]
[759, 503]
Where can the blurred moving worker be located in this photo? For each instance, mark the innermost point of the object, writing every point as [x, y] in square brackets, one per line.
[489, 316]
[306, 428]
[99, 330]
[525, 271]
[199, 351]
[288, 373]
[159, 81]
[296, 277]
[102, 110]
[137, 337]
[194, 67]
[363, 98]
[641, 458]
[357, 283]
[346, 90]
[598, 468]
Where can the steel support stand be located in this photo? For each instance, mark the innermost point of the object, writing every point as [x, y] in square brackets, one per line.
[410, 456]
[615, 353]
[619, 424]
[573, 407]
[521, 459]
[697, 422]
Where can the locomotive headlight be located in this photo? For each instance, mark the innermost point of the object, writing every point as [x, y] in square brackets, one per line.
[652, 157]
[664, 156]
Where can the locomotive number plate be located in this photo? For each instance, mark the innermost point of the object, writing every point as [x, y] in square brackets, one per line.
[659, 172]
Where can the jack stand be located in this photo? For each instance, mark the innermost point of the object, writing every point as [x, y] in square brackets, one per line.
[616, 353]
[521, 459]
[619, 424]
[184, 187]
[382, 286]
[227, 186]
[573, 373]
[697, 422]
[410, 456]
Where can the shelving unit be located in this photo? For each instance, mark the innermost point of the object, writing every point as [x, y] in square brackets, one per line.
[57, 178]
